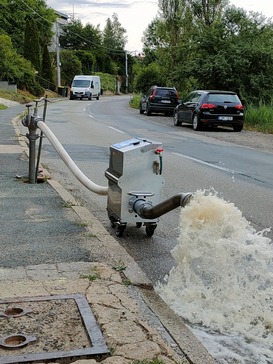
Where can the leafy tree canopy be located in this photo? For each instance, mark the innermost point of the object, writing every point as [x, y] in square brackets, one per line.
[210, 44]
[13, 17]
[114, 37]
[15, 68]
[71, 66]
[75, 36]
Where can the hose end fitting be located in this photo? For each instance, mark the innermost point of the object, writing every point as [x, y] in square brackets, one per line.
[185, 198]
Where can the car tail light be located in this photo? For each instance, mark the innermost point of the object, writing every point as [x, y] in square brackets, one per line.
[208, 106]
[151, 97]
[239, 107]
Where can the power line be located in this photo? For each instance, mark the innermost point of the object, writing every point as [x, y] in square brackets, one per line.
[75, 34]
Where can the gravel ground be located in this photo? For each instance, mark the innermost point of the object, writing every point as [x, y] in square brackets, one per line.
[251, 139]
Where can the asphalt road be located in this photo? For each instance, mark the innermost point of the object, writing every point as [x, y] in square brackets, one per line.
[191, 161]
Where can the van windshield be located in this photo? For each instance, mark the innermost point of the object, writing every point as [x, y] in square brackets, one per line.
[81, 83]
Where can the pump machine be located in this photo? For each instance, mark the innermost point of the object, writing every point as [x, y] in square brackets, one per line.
[134, 176]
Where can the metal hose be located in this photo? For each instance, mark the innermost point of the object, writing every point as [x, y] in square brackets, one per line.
[100, 190]
[147, 211]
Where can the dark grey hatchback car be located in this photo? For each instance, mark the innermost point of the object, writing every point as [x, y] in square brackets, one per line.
[210, 108]
[159, 100]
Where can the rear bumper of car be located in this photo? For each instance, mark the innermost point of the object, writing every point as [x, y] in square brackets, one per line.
[162, 107]
[224, 120]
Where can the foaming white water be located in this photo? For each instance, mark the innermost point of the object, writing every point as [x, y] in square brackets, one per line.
[223, 280]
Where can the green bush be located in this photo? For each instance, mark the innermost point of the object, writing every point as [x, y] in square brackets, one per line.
[108, 82]
[259, 118]
[134, 101]
[147, 76]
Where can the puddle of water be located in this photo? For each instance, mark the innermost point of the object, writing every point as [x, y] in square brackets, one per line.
[222, 284]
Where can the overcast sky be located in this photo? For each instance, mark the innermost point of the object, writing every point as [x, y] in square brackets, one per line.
[134, 15]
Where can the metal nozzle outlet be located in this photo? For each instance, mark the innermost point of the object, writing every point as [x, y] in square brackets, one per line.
[147, 211]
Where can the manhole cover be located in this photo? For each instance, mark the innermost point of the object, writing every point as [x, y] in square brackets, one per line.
[63, 327]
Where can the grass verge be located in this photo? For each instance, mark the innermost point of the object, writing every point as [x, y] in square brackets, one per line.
[257, 118]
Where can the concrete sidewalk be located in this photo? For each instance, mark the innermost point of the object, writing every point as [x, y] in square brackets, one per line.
[131, 321]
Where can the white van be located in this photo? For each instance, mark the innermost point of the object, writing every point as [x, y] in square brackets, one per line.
[84, 86]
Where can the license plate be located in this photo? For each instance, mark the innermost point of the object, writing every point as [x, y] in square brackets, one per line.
[166, 101]
[225, 118]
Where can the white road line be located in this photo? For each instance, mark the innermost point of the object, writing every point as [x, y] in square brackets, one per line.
[205, 163]
[119, 131]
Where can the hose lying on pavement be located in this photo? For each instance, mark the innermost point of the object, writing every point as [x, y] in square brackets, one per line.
[100, 190]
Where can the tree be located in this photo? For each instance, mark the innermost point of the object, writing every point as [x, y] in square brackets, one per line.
[71, 66]
[214, 46]
[172, 11]
[237, 54]
[28, 23]
[114, 38]
[16, 69]
[32, 50]
[88, 61]
[13, 15]
[147, 76]
[207, 11]
[46, 71]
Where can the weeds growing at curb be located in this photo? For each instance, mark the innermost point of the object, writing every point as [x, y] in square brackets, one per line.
[91, 235]
[126, 282]
[69, 204]
[82, 224]
[93, 275]
[120, 267]
[154, 361]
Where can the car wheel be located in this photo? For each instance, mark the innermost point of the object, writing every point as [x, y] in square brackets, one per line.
[237, 128]
[176, 120]
[141, 111]
[148, 111]
[196, 123]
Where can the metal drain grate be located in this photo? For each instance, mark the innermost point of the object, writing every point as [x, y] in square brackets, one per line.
[63, 326]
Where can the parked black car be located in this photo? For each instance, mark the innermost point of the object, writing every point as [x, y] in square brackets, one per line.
[210, 108]
[159, 100]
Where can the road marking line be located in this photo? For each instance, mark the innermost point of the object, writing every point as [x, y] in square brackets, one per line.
[206, 163]
[119, 131]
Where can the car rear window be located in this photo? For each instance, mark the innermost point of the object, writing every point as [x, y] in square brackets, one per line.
[223, 98]
[165, 92]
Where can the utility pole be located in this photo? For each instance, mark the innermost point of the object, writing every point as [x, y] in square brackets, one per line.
[126, 72]
[58, 55]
